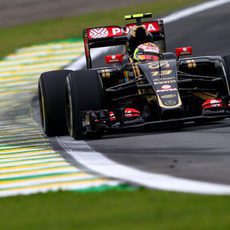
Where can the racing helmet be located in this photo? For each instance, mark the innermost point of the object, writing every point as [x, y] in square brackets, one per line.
[137, 36]
[147, 51]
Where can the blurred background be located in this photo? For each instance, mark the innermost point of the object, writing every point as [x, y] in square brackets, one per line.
[29, 22]
[16, 12]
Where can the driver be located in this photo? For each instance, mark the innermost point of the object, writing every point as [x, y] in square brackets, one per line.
[137, 35]
[139, 47]
[147, 51]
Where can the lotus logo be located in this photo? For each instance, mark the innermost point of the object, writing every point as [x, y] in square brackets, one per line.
[170, 102]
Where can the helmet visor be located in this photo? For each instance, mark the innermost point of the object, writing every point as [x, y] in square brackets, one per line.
[143, 57]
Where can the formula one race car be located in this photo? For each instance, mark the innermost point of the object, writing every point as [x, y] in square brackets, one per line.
[144, 86]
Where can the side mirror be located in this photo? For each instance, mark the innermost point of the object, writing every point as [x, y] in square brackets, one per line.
[116, 58]
[183, 51]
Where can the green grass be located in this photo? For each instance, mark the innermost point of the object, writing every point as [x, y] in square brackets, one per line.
[140, 209]
[62, 28]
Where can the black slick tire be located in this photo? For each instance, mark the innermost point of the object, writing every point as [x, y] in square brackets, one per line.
[84, 92]
[51, 90]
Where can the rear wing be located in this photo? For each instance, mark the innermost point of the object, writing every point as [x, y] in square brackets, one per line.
[115, 35]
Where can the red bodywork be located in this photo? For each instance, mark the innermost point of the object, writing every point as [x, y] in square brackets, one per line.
[116, 58]
[183, 51]
[213, 104]
[129, 114]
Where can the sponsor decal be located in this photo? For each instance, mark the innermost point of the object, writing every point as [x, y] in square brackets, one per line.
[170, 102]
[165, 86]
[153, 65]
[156, 65]
[131, 112]
[163, 72]
[164, 82]
[99, 33]
[166, 90]
[115, 31]
[164, 79]
[114, 58]
[168, 96]
[212, 103]
[183, 51]
[150, 26]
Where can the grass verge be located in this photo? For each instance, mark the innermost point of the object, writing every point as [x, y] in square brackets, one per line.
[141, 209]
[62, 28]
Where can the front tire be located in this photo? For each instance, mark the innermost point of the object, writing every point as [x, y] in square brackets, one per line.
[84, 92]
[51, 90]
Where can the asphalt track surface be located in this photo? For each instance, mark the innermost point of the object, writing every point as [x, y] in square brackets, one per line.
[200, 153]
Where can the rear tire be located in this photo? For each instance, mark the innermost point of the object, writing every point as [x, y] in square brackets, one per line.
[51, 90]
[84, 92]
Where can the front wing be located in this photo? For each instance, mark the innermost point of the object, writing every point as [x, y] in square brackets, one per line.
[171, 123]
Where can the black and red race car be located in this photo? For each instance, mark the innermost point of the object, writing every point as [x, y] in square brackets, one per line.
[129, 93]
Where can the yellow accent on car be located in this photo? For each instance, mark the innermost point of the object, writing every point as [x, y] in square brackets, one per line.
[105, 74]
[204, 95]
[140, 15]
[128, 17]
[191, 64]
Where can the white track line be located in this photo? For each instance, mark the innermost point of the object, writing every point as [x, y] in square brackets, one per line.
[99, 163]
[194, 10]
